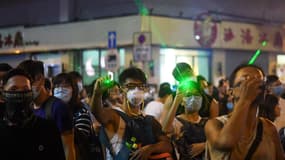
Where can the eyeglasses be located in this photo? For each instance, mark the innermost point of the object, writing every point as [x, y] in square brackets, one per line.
[135, 85]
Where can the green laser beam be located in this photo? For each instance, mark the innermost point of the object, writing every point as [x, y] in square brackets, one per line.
[254, 57]
[141, 7]
[257, 53]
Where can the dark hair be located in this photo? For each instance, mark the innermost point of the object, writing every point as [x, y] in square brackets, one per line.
[271, 79]
[106, 93]
[201, 78]
[132, 73]
[47, 84]
[32, 67]
[267, 109]
[76, 75]
[67, 78]
[239, 67]
[221, 82]
[5, 67]
[15, 72]
[164, 89]
[179, 69]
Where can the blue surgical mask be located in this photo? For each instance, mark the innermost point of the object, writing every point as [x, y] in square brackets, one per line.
[230, 105]
[206, 90]
[192, 103]
[278, 90]
[64, 94]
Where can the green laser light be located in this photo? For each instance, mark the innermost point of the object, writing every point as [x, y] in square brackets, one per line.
[108, 83]
[189, 86]
[257, 53]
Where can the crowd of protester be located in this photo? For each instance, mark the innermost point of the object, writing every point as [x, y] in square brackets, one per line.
[243, 117]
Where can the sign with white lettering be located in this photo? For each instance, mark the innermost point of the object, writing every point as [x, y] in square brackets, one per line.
[142, 46]
[112, 60]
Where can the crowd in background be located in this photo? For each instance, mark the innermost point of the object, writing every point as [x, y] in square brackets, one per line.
[123, 119]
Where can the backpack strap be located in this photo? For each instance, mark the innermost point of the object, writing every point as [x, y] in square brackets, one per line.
[48, 107]
[105, 141]
[256, 141]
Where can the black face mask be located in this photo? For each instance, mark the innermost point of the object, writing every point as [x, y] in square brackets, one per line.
[17, 105]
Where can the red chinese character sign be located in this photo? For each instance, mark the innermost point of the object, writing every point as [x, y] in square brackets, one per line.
[205, 31]
[278, 41]
[263, 37]
[228, 34]
[246, 36]
[14, 40]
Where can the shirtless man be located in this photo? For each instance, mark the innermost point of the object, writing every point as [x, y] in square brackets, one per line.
[230, 137]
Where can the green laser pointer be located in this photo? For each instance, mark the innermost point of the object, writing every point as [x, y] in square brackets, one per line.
[257, 53]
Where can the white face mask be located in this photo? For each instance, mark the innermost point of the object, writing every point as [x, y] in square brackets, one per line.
[64, 94]
[192, 103]
[80, 86]
[206, 90]
[135, 96]
[36, 92]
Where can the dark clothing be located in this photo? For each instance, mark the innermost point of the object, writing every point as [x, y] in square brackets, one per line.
[36, 139]
[223, 110]
[192, 133]
[140, 130]
[86, 141]
[59, 113]
[206, 104]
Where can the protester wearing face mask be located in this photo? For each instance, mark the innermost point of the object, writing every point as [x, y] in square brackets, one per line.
[120, 130]
[50, 107]
[21, 132]
[187, 129]
[4, 68]
[275, 87]
[66, 89]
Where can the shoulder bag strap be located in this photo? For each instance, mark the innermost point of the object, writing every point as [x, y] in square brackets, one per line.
[48, 107]
[105, 141]
[256, 141]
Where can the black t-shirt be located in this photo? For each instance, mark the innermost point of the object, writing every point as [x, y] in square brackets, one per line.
[37, 139]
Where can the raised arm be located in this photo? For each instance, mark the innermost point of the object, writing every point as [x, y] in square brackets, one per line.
[226, 136]
[103, 115]
[214, 109]
[169, 112]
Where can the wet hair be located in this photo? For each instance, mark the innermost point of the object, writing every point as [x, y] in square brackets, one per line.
[239, 67]
[34, 68]
[267, 109]
[5, 67]
[132, 73]
[15, 72]
[164, 89]
[179, 69]
[67, 78]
